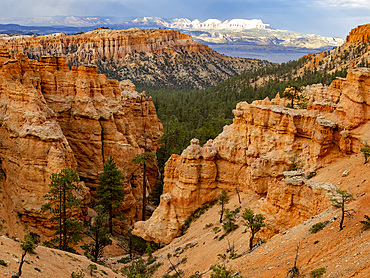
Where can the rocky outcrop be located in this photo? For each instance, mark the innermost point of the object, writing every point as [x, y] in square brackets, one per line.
[53, 118]
[359, 34]
[355, 52]
[147, 57]
[252, 154]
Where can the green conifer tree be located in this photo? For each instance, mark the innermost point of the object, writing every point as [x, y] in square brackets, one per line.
[223, 200]
[340, 202]
[144, 159]
[98, 232]
[62, 200]
[28, 246]
[254, 222]
[110, 192]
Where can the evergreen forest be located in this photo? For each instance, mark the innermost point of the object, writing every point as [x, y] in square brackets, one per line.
[202, 114]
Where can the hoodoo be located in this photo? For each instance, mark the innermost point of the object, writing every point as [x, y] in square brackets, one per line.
[255, 152]
[53, 118]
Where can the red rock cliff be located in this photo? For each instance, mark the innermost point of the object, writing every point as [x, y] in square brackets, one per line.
[52, 118]
[254, 152]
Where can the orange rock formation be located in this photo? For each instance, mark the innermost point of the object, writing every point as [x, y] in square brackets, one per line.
[53, 118]
[359, 34]
[264, 140]
[94, 45]
[155, 57]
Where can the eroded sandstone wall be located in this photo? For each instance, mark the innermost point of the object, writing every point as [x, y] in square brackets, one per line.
[155, 57]
[265, 139]
[53, 118]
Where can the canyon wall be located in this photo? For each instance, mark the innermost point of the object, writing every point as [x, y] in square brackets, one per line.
[154, 57]
[53, 118]
[255, 152]
[105, 43]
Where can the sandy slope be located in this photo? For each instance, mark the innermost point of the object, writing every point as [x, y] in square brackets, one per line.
[342, 253]
[51, 263]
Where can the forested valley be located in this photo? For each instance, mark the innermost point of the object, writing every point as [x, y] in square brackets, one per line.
[194, 113]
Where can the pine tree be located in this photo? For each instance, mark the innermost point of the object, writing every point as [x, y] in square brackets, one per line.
[28, 246]
[292, 93]
[98, 232]
[223, 200]
[340, 202]
[366, 151]
[62, 200]
[144, 159]
[110, 192]
[254, 222]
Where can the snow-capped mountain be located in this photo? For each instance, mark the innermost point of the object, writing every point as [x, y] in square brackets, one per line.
[214, 31]
[215, 24]
[247, 38]
[196, 25]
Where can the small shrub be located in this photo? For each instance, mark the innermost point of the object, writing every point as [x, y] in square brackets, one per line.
[140, 268]
[220, 271]
[208, 226]
[316, 242]
[318, 227]
[37, 269]
[311, 175]
[92, 268]
[3, 263]
[216, 229]
[78, 274]
[124, 260]
[229, 224]
[366, 151]
[317, 272]
[15, 276]
[234, 255]
[195, 215]
[104, 272]
[366, 222]
[303, 105]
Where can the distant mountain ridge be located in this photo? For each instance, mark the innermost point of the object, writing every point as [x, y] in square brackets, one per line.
[233, 37]
[215, 24]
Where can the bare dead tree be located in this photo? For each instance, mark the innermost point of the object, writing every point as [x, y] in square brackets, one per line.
[294, 271]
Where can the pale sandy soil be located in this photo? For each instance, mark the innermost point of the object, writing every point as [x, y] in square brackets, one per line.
[46, 263]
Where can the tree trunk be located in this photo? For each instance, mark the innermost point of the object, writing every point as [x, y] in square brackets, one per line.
[237, 191]
[342, 220]
[21, 264]
[222, 211]
[60, 217]
[251, 242]
[65, 243]
[144, 194]
[96, 251]
[110, 220]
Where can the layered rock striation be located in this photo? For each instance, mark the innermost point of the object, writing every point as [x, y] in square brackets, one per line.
[53, 118]
[266, 139]
[147, 57]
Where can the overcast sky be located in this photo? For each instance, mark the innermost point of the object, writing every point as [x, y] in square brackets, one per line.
[324, 17]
